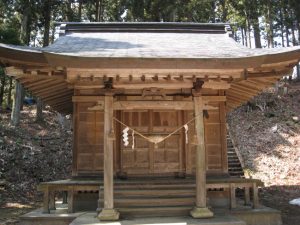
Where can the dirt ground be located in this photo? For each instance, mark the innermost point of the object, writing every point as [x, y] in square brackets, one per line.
[266, 132]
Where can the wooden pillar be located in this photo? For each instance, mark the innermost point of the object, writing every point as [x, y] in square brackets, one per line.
[52, 200]
[247, 195]
[232, 196]
[200, 210]
[70, 200]
[255, 196]
[108, 212]
[46, 201]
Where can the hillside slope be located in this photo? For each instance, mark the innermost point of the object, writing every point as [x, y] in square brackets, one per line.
[30, 154]
[267, 134]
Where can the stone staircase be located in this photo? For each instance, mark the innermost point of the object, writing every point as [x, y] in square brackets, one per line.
[235, 168]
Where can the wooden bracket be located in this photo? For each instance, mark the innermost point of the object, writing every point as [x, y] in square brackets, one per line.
[108, 83]
[154, 92]
[98, 107]
[197, 86]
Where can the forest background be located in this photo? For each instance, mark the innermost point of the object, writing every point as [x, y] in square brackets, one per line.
[255, 23]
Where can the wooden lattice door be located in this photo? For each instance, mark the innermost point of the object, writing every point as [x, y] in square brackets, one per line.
[146, 158]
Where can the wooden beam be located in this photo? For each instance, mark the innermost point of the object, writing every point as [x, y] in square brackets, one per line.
[87, 98]
[169, 84]
[216, 84]
[47, 86]
[38, 83]
[51, 89]
[13, 71]
[56, 93]
[164, 105]
[67, 95]
[238, 99]
[250, 87]
[240, 90]
[57, 101]
[245, 89]
[233, 92]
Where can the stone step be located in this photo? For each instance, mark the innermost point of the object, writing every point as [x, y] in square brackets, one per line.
[156, 211]
[152, 202]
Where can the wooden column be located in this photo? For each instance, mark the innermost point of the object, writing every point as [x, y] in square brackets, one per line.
[200, 210]
[46, 201]
[108, 212]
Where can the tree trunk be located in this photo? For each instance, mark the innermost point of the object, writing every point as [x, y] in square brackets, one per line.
[39, 110]
[213, 13]
[249, 32]
[80, 10]
[256, 33]
[9, 92]
[298, 72]
[225, 12]
[287, 36]
[293, 35]
[281, 27]
[22, 96]
[269, 21]
[298, 29]
[97, 12]
[69, 11]
[243, 37]
[3, 78]
[101, 11]
[47, 18]
[246, 36]
[249, 36]
[15, 114]
[25, 25]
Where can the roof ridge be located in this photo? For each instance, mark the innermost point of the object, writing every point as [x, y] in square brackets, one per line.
[139, 27]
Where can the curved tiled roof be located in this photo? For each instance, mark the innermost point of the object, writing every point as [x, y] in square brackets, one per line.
[153, 46]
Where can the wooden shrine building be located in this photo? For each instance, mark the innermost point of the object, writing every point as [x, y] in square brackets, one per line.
[149, 104]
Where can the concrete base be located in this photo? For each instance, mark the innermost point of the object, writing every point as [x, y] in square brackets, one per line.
[243, 215]
[90, 219]
[60, 216]
[199, 213]
[262, 216]
[109, 215]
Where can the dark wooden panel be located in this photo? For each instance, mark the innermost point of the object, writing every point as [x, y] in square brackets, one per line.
[89, 139]
[161, 159]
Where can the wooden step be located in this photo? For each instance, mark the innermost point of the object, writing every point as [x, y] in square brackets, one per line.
[155, 211]
[152, 202]
[149, 186]
[155, 193]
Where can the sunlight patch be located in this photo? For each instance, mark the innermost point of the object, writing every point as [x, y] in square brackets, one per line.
[16, 205]
[295, 201]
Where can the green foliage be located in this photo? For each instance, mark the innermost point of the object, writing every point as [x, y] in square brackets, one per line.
[9, 35]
